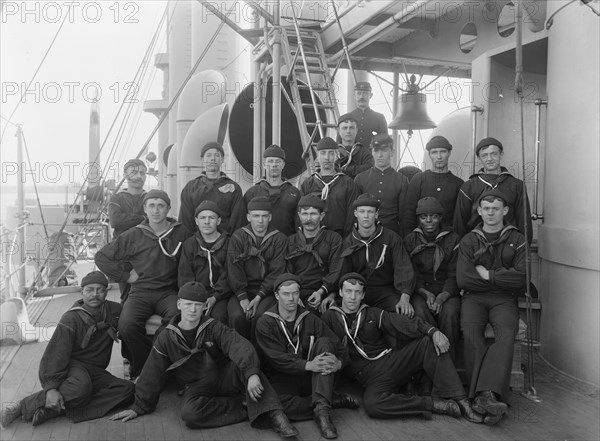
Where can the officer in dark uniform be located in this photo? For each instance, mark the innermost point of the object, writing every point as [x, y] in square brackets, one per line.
[369, 121]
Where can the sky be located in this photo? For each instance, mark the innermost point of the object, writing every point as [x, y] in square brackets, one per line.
[95, 56]
[96, 53]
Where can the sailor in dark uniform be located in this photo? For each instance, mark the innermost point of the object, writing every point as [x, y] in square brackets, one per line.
[153, 249]
[491, 271]
[369, 122]
[73, 368]
[284, 196]
[334, 187]
[382, 371]
[302, 356]
[438, 182]
[385, 183]
[219, 369]
[216, 186]
[354, 157]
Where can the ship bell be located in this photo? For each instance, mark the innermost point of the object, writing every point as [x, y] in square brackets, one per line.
[412, 110]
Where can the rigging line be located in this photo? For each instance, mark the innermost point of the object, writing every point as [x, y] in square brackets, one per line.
[383, 93]
[124, 152]
[38, 69]
[519, 81]
[138, 78]
[9, 121]
[79, 192]
[453, 94]
[37, 194]
[180, 90]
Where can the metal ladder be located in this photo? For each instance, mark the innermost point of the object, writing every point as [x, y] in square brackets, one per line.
[308, 70]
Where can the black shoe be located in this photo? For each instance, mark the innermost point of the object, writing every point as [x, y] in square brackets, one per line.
[486, 403]
[325, 425]
[491, 420]
[43, 414]
[9, 413]
[344, 401]
[281, 424]
[445, 407]
[467, 411]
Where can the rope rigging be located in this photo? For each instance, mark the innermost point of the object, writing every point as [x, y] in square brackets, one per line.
[36, 72]
[531, 394]
[159, 123]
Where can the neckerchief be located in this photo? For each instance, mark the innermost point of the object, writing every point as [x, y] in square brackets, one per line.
[353, 150]
[352, 332]
[179, 340]
[164, 241]
[302, 247]
[327, 186]
[207, 254]
[294, 339]
[255, 251]
[359, 243]
[486, 246]
[438, 253]
[94, 325]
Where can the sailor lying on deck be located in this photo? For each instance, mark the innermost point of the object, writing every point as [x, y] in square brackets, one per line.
[382, 371]
[72, 370]
[219, 369]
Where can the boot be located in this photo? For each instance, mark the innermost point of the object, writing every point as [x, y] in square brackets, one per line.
[492, 420]
[43, 414]
[281, 424]
[325, 425]
[467, 411]
[10, 412]
[486, 403]
[445, 407]
[344, 400]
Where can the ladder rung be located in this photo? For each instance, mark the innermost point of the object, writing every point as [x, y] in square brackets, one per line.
[319, 106]
[329, 126]
[312, 71]
[303, 36]
[308, 54]
[315, 86]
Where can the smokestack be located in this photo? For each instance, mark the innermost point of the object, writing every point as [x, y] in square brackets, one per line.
[94, 171]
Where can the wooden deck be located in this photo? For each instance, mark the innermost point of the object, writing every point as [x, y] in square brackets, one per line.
[569, 409]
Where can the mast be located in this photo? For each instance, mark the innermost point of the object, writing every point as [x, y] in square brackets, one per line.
[94, 194]
[21, 213]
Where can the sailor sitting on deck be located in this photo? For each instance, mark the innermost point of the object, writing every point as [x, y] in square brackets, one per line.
[302, 355]
[219, 368]
[73, 368]
[153, 249]
[382, 370]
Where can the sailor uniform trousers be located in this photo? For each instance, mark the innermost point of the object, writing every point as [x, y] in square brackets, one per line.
[488, 367]
[89, 392]
[237, 318]
[383, 378]
[221, 398]
[447, 321]
[299, 394]
[138, 308]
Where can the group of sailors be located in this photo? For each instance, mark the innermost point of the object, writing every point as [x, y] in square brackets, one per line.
[268, 297]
